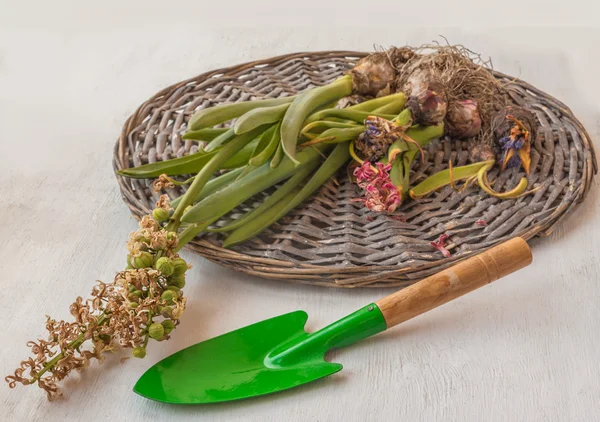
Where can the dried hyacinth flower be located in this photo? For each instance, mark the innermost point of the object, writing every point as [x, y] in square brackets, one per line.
[514, 127]
[440, 245]
[379, 134]
[163, 182]
[462, 119]
[380, 194]
[116, 315]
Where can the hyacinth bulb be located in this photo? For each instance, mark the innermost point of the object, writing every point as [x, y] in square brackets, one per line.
[463, 119]
[427, 98]
[373, 74]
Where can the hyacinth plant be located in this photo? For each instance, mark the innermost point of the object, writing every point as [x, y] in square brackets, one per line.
[143, 303]
[404, 100]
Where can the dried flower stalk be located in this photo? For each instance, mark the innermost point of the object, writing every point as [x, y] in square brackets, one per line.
[143, 301]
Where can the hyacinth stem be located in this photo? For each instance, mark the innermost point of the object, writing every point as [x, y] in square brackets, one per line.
[191, 231]
[212, 116]
[516, 192]
[336, 159]
[399, 99]
[469, 172]
[207, 172]
[446, 177]
[226, 199]
[203, 135]
[305, 104]
[212, 186]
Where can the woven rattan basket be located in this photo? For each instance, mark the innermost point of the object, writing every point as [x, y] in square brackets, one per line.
[332, 241]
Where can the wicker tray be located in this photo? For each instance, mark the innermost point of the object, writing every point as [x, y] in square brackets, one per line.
[331, 241]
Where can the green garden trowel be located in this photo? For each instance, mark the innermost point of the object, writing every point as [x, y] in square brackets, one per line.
[277, 354]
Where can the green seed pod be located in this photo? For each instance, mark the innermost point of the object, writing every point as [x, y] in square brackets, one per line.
[139, 352]
[129, 263]
[171, 236]
[177, 281]
[168, 296]
[135, 294]
[164, 265]
[156, 331]
[173, 289]
[105, 338]
[133, 305]
[168, 325]
[160, 214]
[179, 266]
[143, 239]
[166, 311]
[131, 288]
[144, 260]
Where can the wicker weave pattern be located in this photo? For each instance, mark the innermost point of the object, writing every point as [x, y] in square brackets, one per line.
[332, 241]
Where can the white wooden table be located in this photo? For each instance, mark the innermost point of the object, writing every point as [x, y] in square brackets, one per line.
[524, 348]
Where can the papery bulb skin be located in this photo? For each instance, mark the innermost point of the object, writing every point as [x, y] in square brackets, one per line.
[462, 119]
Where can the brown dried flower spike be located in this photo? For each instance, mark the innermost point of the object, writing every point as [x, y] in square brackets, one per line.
[117, 315]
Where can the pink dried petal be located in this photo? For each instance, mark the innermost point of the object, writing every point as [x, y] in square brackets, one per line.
[364, 172]
[380, 192]
[440, 245]
[481, 223]
[383, 168]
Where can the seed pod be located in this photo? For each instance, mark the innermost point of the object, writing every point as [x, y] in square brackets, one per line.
[143, 260]
[160, 214]
[166, 311]
[139, 352]
[135, 294]
[164, 265]
[168, 325]
[133, 305]
[129, 263]
[177, 281]
[169, 296]
[173, 289]
[156, 331]
[105, 338]
[179, 266]
[171, 236]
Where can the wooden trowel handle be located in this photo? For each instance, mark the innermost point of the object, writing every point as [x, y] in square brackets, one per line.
[455, 281]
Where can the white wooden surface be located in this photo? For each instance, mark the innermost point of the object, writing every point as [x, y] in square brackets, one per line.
[525, 348]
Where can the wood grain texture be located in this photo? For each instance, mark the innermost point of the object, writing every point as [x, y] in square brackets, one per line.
[456, 281]
[523, 349]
